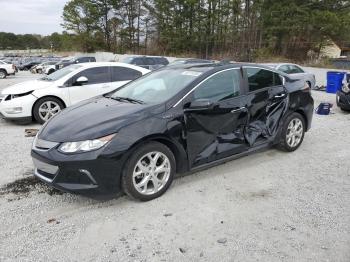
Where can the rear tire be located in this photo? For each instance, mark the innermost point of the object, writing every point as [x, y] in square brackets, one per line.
[46, 108]
[3, 74]
[293, 132]
[149, 171]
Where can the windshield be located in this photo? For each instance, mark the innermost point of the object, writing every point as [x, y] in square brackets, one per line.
[60, 73]
[158, 86]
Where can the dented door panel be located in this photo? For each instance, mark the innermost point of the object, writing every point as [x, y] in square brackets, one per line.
[216, 133]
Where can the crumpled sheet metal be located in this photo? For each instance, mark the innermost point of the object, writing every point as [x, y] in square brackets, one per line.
[267, 129]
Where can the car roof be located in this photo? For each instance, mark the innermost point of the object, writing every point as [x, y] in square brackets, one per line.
[98, 64]
[141, 56]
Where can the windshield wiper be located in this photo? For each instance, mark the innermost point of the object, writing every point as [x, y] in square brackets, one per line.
[128, 99]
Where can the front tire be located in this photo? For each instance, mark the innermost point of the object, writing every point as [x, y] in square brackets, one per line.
[293, 132]
[46, 108]
[149, 171]
[3, 74]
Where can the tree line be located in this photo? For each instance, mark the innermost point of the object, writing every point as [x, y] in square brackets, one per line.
[233, 29]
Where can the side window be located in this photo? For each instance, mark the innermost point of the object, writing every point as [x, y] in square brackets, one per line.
[138, 61]
[124, 74]
[259, 78]
[221, 86]
[150, 61]
[95, 75]
[284, 68]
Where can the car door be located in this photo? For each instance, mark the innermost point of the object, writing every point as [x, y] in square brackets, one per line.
[99, 82]
[216, 132]
[122, 75]
[266, 97]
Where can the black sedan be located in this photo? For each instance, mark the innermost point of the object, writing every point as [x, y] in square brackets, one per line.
[174, 120]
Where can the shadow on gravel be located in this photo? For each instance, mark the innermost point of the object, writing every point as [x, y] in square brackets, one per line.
[23, 186]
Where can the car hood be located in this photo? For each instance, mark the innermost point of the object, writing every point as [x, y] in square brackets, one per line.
[26, 86]
[95, 118]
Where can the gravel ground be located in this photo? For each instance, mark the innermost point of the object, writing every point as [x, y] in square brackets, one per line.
[269, 206]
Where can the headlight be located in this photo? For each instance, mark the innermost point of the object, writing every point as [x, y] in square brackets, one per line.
[10, 97]
[346, 88]
[85, 146]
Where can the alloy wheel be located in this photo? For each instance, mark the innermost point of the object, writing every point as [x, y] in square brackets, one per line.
[151, 173]
[48, 109]
[294, 132]
[2, 74]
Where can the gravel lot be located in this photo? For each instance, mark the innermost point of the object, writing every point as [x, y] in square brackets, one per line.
[269, 206]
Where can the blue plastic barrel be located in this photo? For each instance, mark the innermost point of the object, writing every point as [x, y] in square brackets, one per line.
[334, 81]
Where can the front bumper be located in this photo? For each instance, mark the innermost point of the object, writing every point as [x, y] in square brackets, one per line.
[343, 100]
[18, 108]
[86, 173]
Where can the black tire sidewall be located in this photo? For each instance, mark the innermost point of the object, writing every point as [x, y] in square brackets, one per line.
[39, 103]
[140, 151]
[283, 144]
[5, 74]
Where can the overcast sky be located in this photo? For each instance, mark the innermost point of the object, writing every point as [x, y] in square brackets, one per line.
[31, 16]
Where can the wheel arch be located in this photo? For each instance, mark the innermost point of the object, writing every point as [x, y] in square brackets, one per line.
[176, 148]
[302, 113]
[47, 96]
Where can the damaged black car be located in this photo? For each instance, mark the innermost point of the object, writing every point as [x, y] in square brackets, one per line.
[172, 121]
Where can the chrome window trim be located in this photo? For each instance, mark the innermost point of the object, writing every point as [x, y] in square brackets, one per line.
[194, 88]
[267, 69]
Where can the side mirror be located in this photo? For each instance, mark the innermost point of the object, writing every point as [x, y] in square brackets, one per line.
[200, 104]
[81, 81]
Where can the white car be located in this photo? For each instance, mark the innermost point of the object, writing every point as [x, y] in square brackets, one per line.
[43, 98]
[6, 69]
[295, 70]
[39, 69]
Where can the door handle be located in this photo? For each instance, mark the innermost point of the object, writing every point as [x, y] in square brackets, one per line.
[280, 96]
[239, 109]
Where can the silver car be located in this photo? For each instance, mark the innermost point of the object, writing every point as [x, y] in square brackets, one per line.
[294, 70]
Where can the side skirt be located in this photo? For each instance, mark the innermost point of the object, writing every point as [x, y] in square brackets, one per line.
[254, 149]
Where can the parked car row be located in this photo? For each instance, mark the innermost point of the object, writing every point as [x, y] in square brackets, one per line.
[50, 67]
[26, 63]
[135, 137]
